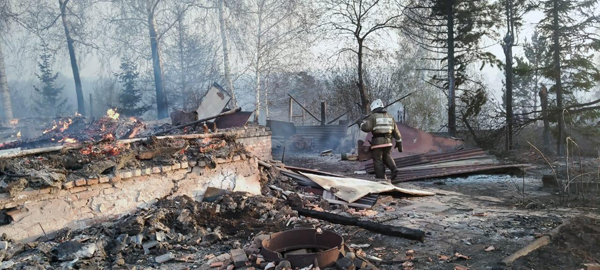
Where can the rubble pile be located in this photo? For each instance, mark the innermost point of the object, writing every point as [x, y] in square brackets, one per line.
[179, 229]
[223, 231]
[108, 157]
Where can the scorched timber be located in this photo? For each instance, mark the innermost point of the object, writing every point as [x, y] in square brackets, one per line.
[51, 149]
[398, 231]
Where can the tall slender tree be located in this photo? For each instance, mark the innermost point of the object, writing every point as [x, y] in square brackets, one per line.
[275, 29]
[5, 16]
[454, 29]
[566, 25]
[225, 49]
[64, 24]
[515, 10]
[64, 13]
[192, 60]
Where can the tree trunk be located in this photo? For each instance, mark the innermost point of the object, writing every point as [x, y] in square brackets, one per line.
[74, 67]
[267, 98]
[361, 84]
[226, 67]
[558, 73]
[451, 93]
[4, 92]
[509, 98]
[257, 64]
[535, 102]
[257, 88]
[546, 134]
[161, 98]
[508, 40]
[182, 64]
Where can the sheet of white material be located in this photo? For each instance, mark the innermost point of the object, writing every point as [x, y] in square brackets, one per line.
[352, 189]
[213, 102]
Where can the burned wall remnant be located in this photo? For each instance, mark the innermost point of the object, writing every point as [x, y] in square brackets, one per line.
[82, 201]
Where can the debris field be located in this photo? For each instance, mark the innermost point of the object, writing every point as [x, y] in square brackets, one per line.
[455, 209]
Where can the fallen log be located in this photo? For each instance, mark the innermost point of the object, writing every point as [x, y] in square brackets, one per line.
[538, 243]
[398, 231]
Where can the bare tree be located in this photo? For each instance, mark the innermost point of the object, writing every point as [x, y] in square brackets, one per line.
[225, 49]
[192, 58]
[78, 88]
[40, 19]
[360, 19]
[132, 16]
[4, 91]
[5, 16]
[277, 28]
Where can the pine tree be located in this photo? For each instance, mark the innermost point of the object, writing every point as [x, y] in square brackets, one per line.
[528, 76]
[130, 98]
[524, 85]
[566, 25]
[47, 97]
[454, 28]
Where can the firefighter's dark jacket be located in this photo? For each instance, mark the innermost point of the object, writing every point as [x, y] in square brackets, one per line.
[383, 127]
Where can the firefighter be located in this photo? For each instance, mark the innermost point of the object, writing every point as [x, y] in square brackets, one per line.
[384, 129]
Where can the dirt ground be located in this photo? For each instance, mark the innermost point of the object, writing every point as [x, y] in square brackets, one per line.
[475, 221]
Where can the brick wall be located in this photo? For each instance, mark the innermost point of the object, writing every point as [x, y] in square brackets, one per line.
[257, 140]
[84, 202]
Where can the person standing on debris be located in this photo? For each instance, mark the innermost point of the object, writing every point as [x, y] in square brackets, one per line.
[384, 128]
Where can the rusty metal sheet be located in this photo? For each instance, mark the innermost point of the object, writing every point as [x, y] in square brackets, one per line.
[417, 160]
[414, 141]
[459, 171]
[238, 119]
[330, 244]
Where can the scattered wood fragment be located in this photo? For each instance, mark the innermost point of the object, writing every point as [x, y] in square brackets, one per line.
[264, 164]
[538, 243]
[398, 231]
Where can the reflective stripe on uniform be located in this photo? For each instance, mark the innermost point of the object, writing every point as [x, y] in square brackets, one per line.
[383, 125]
[383, 121]
[383, 128]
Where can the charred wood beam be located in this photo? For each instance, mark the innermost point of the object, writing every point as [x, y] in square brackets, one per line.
[398, 231]
[36, 151]
[337, 118]
[305, 109]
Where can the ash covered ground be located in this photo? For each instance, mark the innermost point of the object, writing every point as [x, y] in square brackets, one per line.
[471, 223]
